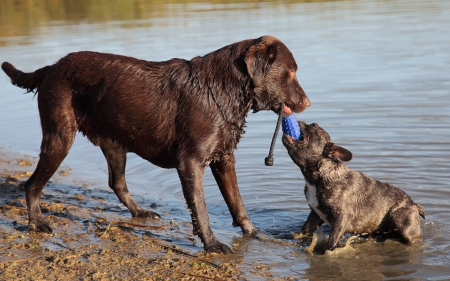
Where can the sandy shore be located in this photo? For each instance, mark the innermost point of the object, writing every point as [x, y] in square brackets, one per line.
[91, 239]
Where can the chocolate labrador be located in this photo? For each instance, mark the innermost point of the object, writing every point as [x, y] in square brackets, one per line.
[348, 201]
[183, 114]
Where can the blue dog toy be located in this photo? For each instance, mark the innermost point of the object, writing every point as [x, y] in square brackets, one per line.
[290, 127]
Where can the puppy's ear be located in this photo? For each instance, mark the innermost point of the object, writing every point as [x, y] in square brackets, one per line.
[333, 151]
[257, 58]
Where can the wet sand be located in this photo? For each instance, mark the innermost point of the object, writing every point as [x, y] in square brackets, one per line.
[92, 240]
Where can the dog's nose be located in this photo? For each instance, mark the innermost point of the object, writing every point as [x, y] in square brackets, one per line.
[307, 102]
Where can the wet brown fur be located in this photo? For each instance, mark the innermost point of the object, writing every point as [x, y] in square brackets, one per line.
[176, 114]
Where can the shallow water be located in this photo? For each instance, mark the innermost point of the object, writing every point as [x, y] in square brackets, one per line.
[377, 74]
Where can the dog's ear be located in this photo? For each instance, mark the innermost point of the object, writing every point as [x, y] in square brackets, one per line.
[257, 58]
[333, 151]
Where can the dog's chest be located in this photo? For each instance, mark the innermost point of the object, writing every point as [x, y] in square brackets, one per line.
[313, 202]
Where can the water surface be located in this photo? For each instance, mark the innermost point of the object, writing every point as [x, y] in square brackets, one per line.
[377, 74]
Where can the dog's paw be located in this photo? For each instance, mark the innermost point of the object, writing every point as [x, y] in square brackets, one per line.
[247, 228]
[143, 214]
[218, 247]
[39, 225]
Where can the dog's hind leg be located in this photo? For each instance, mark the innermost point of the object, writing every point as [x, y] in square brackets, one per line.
[407, 221]
[116, 158]
[56, 142]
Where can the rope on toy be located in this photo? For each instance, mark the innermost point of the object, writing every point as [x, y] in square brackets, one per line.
[269, 159]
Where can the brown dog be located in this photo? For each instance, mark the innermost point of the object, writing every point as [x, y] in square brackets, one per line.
[176, 114]
[348, 201]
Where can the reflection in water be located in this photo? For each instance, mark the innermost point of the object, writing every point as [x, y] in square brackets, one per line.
[23, 17]
[377, 74]
[369, 261]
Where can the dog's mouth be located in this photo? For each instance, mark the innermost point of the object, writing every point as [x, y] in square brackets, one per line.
[286, 110]
[304, 139]
[282, 108]
[292, 107]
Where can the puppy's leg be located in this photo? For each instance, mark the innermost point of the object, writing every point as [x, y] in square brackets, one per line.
[116, 158]
[407, 221]
[225, 174]
[312, 223]
[56, 142]
[337, 230]
[191, 173]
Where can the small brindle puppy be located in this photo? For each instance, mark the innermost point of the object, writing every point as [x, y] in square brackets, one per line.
[182, 114]
[348, 201]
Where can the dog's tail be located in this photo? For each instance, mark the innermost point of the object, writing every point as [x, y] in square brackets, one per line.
[421, 211]
[29, 81]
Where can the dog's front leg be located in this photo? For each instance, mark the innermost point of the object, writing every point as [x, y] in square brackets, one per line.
[191, 172]
[312, 223]
[225, 174]
[337, 230]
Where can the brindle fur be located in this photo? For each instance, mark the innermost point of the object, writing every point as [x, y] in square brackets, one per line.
[350, 201]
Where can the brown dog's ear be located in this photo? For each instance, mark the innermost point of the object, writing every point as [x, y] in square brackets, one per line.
[333, 151]
[257, 58]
